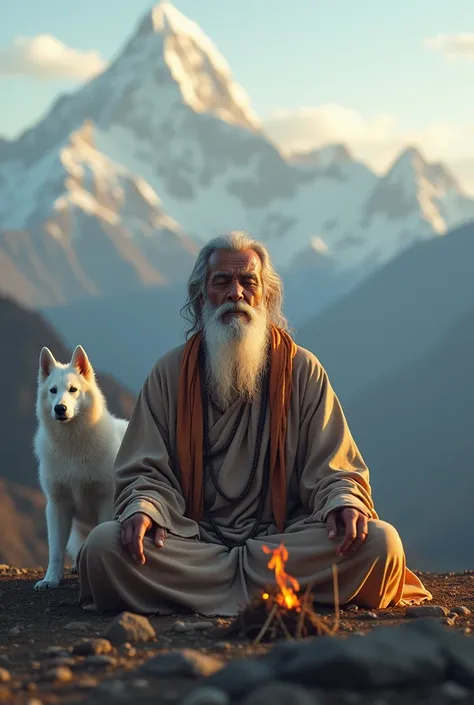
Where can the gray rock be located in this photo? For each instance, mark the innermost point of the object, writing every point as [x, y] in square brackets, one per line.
[182, 627]
[239, 678]
[461, 609]
[187, 663]
[100, 661]
[386, 657]
[130, 627]
[206, 696]
[454, 691]
[278, 693]
[92, 646]
[201, 626]
[426, 611]
[79, 627]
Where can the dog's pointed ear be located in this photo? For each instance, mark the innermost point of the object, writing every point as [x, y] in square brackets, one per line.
[46, 362]
[81, 362]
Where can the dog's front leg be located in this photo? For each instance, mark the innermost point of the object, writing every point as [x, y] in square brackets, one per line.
[58, 520]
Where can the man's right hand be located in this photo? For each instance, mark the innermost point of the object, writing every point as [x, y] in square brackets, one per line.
[133, 531]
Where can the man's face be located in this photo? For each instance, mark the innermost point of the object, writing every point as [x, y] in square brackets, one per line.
[234, 277]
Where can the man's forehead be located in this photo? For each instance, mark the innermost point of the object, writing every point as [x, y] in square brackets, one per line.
[246, 261]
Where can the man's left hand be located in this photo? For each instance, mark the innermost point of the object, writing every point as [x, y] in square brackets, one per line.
[355, 526]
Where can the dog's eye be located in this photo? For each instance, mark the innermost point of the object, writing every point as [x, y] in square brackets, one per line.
[72, 390]
[53, 390]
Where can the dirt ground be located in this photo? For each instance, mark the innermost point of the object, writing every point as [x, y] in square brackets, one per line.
[30, 622]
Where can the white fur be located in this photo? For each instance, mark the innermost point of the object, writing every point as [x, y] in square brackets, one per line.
[75, 455]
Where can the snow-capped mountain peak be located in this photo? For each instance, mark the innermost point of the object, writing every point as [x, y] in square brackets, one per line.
[199, 70]
[412, 187]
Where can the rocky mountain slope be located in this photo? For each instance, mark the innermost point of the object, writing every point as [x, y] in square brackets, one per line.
[100, 195]
[22, 518]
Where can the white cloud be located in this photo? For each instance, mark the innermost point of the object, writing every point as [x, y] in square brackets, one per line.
[47, 58]
[375, 140]
[452, 46]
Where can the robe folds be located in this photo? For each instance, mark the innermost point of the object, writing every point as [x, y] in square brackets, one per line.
[194, 571]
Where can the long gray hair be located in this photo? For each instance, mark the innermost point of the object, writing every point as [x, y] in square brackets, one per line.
[235, 241]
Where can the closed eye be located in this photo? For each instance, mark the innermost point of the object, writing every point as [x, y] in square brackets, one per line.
[72, 390]
[54, 390]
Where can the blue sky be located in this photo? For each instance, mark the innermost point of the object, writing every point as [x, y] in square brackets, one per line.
[363, 58]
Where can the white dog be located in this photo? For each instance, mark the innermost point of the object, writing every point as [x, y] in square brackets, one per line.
[76, 442]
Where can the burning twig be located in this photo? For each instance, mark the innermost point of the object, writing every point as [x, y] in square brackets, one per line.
[285, 612]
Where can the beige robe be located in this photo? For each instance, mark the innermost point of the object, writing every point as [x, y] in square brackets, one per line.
[194, 570]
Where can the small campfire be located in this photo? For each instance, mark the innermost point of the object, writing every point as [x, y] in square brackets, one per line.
[280, 611]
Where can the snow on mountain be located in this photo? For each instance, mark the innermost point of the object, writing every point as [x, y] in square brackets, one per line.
[82, 225]
[172, 139]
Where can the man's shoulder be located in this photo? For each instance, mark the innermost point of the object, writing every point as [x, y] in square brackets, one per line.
[169, 364]
[306, 361]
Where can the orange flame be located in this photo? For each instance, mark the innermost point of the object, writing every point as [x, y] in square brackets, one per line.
[287, 584]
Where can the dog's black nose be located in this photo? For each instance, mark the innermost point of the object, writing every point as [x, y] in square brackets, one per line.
[60, 409]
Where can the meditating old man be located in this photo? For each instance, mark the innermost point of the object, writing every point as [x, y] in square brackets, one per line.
[238, 441]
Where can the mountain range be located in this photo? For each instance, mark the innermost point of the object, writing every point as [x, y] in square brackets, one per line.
[118, 184]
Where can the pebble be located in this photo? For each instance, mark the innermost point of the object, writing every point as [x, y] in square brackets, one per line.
[131, 628]
[5, 675]
[182, 627]
[140, 683]
[351, 608]
[100, 661]
[81, 627]
[461, 609]
[449, 621]
[185, 663]
[207, 696]
[426, 611]
[129, 650]
[223, 645]
[92, 646]
[63, 674]
[14, 631]
[369, 615]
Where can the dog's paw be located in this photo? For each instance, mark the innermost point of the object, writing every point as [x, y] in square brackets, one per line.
[47, 584]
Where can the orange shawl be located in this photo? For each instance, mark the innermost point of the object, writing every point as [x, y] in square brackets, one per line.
[189, 431]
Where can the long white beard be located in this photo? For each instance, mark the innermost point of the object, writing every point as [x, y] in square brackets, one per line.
[236, 352]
